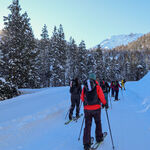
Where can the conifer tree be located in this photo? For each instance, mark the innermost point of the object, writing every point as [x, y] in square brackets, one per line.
[91, 67]
[107, 66]
[44, 46]
[62, 49]
[82, 61]
[1, 62]
[71, 64]
[112, 67]
[54, 62]
[99, 63]
[18, 47]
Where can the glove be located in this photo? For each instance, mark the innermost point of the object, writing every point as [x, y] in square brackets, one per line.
[103, 105]
[106, 106]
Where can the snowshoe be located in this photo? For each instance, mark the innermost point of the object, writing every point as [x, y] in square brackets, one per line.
[97, 144]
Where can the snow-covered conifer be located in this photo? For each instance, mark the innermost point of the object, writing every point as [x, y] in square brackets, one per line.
[18, 47]
[71, 63]
[82, 61]
[44, 47]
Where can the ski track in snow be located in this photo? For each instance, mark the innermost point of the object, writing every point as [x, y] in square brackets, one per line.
[23, 128]
[35, 121]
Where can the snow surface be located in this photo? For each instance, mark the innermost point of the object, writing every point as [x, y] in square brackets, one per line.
[118, 40]
[35, 121]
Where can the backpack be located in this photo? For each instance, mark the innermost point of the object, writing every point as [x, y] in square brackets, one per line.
[74, 88]
[116, 85]
[90, 92]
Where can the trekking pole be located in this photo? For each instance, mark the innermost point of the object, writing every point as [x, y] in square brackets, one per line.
[67, 113]
[81, 129]
[122, 94]
[110, 101]
[109, 129]
[80, 105]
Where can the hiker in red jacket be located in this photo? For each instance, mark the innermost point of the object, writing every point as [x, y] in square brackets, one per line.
[92, 96]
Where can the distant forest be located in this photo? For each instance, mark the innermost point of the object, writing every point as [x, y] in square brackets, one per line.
[52, 61]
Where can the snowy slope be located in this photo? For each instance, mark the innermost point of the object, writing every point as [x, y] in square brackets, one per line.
[118, 40]
[35, 121]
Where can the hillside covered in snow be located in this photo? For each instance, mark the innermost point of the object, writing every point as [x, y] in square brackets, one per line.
[118, 40]
[141, 44]
[35, 120]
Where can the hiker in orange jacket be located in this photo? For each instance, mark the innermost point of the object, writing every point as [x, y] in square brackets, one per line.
[92, 96]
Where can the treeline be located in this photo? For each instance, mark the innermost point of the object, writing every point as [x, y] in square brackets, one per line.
[52, 61]
[126, 64]
[142, 43]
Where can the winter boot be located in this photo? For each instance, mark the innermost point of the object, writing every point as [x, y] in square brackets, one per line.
[86, 147]
[70, 117]
[100, 140]
[77, 116]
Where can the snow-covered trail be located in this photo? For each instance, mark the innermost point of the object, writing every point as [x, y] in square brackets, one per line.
[36, 122]
[26, 119]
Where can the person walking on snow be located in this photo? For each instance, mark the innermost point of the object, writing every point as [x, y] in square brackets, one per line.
[75, 90]
[123, 84]
[116, 89]
[106, 89]
[112, 88]
[92, 96]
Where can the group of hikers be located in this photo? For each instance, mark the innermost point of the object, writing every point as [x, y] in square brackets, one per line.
[94, 96]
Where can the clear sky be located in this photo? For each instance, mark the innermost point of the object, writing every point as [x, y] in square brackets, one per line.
[88, 20]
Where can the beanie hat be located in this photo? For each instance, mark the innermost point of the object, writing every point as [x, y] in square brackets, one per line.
[92, 76]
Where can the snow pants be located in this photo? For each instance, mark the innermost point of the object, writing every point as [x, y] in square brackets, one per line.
[116, 94]
[106, 97]
[75, 101]
[89, 114]
[112, 92]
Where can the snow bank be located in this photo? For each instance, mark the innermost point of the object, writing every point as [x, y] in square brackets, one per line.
[142, 89]
[30, 91]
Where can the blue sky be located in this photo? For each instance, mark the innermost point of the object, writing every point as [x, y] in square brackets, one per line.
[88, 20]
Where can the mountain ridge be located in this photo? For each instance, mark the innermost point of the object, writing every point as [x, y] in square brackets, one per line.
[118, 40]
[142, 43]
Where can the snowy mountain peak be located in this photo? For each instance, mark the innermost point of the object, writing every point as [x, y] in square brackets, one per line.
[118, 40]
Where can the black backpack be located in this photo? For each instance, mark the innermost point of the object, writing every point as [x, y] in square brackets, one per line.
[124, 81]
[90, 92]
[75, 89]
[116, 85]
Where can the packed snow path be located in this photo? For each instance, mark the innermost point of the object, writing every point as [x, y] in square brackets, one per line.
[35, 121]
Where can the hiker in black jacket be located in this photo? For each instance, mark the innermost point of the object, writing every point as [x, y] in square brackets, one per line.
[106, 89]
[75, 90]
